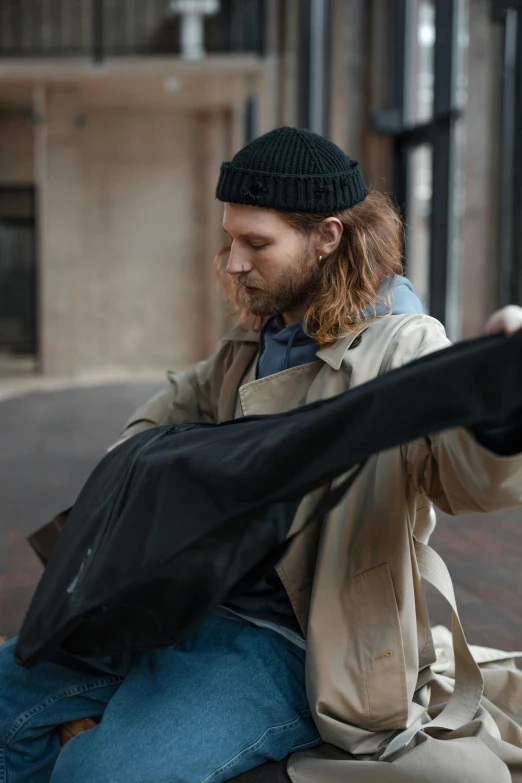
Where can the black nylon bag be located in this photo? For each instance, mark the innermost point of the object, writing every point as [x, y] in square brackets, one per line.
[174, 519]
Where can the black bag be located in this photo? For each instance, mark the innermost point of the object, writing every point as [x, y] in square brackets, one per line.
[174, 519]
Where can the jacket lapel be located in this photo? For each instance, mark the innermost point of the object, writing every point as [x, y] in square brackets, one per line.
[284, 390]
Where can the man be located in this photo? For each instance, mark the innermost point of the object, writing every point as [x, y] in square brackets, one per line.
[331, 652]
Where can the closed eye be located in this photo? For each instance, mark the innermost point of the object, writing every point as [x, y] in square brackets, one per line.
[252, 240]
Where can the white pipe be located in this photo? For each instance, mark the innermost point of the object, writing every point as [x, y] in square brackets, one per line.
[192, 36]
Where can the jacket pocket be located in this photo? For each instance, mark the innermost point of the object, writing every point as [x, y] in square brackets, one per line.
[382, 649]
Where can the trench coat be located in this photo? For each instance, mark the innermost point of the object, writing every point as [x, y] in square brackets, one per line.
[384, 689]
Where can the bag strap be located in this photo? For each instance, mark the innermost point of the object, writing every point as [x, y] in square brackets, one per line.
[334, 494]
[469, 684]
[464, 702]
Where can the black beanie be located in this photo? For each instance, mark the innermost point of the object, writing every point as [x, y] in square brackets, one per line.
[292, 169]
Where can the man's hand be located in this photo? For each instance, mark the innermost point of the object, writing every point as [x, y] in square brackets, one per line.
[503, 437]
[505, 321]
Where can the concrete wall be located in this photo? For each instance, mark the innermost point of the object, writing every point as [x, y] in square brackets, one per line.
[123, 282]
[16, 148]
[481, 165]
[348, 82]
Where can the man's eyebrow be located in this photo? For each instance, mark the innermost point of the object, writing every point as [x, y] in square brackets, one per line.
[251, 235]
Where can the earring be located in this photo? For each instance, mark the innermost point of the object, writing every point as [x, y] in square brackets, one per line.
[320, 259]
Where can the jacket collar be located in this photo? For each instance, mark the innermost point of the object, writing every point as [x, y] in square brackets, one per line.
[332, 355]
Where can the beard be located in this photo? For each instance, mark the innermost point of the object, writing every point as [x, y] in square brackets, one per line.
[293, 289]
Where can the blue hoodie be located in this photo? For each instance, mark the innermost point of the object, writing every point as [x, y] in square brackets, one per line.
[282, 347]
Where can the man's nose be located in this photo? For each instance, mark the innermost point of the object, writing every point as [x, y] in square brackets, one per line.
[237, 263]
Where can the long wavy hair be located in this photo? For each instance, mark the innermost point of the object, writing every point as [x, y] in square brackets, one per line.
[353, 280]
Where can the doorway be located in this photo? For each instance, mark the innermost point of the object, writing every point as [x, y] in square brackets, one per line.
[18, 279]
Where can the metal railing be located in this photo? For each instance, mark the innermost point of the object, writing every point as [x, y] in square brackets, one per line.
[114, 28]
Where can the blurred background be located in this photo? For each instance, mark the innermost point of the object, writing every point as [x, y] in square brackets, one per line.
[115, 116]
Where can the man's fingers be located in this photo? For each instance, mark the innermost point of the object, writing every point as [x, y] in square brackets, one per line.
[505, 321]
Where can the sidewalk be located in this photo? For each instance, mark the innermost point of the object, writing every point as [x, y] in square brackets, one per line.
[14, 385]
[50, 440]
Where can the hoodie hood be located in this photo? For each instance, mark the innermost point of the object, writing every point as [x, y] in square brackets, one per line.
[402, 295]
[282, 347]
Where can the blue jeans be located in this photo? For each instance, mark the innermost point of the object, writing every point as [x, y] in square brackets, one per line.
[221, 703]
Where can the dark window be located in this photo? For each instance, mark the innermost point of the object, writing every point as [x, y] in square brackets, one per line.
[422, 119]
[18, 313]
[315, 65]
[509, 14]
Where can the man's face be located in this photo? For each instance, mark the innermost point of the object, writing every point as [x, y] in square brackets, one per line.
[274, 263]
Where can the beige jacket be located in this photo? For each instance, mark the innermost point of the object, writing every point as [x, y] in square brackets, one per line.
[373, 678]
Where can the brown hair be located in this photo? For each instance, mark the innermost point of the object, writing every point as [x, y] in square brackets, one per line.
[350, 282]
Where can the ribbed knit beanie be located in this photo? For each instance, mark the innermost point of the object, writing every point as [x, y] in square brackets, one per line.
[292, 169]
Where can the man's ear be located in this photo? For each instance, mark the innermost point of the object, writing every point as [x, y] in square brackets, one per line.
[331, 231]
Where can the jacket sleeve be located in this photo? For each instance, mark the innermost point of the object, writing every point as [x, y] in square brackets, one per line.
[460, 476]
[456, 472]
[189, 396]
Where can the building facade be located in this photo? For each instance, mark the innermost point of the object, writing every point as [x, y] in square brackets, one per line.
[115, 117]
